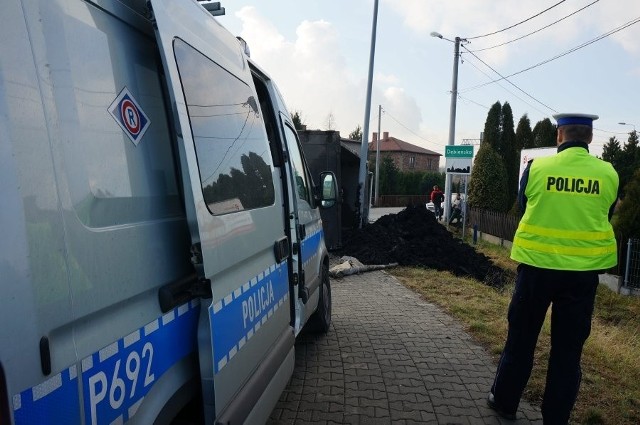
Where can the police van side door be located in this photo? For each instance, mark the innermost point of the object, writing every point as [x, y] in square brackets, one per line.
[306, 225]
[234, 212]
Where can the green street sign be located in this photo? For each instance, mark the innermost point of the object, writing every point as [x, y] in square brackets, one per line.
[465, 151]
[458, 159]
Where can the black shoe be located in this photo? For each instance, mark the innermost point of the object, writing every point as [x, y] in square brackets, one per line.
[491, 402]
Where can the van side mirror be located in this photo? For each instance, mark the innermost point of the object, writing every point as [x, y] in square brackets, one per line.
[328, 189]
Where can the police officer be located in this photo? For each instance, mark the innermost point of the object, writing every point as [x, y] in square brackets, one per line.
[563, 241]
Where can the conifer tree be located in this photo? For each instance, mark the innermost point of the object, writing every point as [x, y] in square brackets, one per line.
[492, 126]
[629, 160]
[510, 153]
[544, 134]
[627, 223]
[488, 184]
[389, 177]
[524, 135]
[611, 151]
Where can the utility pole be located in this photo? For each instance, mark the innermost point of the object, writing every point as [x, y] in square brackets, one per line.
[364, 148]
[452, 115]
[452, 125]
[378, 158]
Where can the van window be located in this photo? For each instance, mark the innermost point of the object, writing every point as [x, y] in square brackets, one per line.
[228, 131]
[302, 183]
[111, 181]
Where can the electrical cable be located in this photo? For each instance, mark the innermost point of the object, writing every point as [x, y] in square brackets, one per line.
[473, 101]
[610, 132]
[585, 44]
[411, 131]
[507, 90]
[515, 25]
[505, 79]
[538, 30]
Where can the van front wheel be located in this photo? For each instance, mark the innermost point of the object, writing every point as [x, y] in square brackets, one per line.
[320, 321]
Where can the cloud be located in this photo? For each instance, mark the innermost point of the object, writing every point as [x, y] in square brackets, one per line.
[309, 70]
[617, 15]
[386, 79]
[313, 76]
[263, 35]
[472, 18]
[403, 105]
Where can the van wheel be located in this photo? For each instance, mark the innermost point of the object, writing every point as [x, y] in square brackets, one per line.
[320, 321]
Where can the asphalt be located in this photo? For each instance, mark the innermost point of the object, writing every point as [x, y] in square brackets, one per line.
[390, 357]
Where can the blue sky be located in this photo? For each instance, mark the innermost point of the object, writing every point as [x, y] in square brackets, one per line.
[318, 53]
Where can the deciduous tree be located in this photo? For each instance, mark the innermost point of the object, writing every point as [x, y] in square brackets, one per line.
[296, 117]
[356, 134]
[330, 123]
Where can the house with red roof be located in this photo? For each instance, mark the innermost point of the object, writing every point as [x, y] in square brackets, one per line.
[407, 157]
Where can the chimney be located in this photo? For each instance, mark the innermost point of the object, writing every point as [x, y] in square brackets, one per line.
[375, 137]
[385, 135]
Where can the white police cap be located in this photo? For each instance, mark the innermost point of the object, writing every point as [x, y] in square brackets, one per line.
[575, 119]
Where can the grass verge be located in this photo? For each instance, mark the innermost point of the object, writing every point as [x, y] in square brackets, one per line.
[610, 390]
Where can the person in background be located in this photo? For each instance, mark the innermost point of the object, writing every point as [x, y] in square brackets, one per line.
[437, 197]
[563, 241]
[456, 209]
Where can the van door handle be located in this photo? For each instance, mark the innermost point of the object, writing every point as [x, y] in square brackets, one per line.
[183, 290]
[281, 249]
[302, 231]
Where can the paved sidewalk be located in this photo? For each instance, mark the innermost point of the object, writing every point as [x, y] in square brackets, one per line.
[376, 213]
[389, 358]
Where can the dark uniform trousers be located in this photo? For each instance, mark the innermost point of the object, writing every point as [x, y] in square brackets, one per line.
[572, 295]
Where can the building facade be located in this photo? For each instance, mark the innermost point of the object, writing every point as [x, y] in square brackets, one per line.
[405, 156]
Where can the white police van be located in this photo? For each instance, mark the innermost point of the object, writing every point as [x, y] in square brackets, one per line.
[161, 243]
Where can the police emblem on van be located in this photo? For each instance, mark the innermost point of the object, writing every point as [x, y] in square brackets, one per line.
[129, 116]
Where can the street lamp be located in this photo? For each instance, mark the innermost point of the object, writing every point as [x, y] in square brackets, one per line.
[452, 117]
[632, 125]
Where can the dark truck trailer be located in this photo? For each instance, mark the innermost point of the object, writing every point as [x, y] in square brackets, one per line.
[327, 151]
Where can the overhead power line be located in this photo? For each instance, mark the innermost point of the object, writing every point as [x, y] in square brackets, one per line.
[505, 79]
[504, 88]
[473, 101]
[411, 131]
[585, 44]
[610, 132]
[515, 25]
[538, 30]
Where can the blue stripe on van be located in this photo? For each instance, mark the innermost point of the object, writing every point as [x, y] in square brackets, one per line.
[238, 316]
[116, 378]
[310, 246]
[55, 401]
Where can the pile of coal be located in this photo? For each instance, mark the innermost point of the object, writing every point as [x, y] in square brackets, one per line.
[413, 237]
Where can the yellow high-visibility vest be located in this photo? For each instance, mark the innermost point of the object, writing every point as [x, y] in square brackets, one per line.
[566, 225]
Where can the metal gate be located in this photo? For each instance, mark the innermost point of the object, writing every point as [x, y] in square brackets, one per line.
[632, 268]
